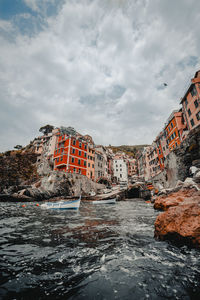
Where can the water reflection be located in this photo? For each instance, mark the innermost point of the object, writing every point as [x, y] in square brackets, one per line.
[104, 252]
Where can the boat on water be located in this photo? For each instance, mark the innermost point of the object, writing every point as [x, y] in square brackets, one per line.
[74, 204]
[106, 201]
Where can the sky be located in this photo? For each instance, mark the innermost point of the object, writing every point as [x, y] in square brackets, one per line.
[96, 65]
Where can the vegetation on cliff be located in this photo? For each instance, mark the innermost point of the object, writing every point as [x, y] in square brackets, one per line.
[16, 168]
[129, 150]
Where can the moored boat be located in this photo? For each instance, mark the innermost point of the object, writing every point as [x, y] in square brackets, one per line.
[74, 204]
[106, 201]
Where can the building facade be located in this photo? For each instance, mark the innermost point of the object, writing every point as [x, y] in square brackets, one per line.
[191, 102]
[70, 155]
[120, 169]
[174, 129]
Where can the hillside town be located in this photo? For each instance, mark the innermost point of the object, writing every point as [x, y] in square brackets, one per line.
[71, 152]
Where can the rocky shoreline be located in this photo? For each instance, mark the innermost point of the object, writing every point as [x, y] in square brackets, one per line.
[180, 221]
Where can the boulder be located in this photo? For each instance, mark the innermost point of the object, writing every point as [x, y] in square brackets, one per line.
[196, 177]
[190, 183]
[196, 163]
[180, 224]
[163, 202]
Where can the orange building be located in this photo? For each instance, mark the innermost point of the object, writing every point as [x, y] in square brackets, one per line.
[160, 154]
[71, 154]
[191, 102]
[90, 162]
[174, 129]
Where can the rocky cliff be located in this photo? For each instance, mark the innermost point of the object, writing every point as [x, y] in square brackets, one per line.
[17, 168]
[26, 176]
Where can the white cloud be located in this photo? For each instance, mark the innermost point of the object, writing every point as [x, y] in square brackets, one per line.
[99, 66]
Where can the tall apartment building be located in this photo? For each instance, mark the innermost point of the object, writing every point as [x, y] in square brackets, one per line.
[99, 165]
[153, 161]
[174, 129]
[120, 168]
[191, 102]
[91, 162]
[70, 154]
[132, 167]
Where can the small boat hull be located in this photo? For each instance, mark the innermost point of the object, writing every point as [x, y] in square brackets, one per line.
[63, 205]
[107, 201]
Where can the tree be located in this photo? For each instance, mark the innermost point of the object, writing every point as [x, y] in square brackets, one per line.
[46, 129]
[18, 147]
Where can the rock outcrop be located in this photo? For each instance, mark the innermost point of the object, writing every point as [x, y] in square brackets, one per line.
[17, 168]
[180, 224]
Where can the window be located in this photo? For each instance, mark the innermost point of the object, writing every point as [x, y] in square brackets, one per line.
[192, 122]
[85, 147]
[58, 159]
[73, 151]
[80, 145]
[116, 166]
[198, 116]
[79, 161]
[120, 175]
[74, 170]
[186, 102]
[72, 159]
[176, 144]
[93, 166]
[84, 163]
[61, 158]
[116, 170]
[79, 152]
[85, 154]
[189, 112]
[74, 142]
[196, 104]
[120, 170]
[193, 91]
[171, 125]
[79, 170]
[120, 165]
[88, 164]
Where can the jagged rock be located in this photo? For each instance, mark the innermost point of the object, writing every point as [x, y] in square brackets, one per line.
[180, 224]
[174, 199]
[190, 183]
[196, 163]
[196, 177]
[15, 198]
[179, 183]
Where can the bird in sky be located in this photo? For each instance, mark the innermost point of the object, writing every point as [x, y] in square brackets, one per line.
[165, 84]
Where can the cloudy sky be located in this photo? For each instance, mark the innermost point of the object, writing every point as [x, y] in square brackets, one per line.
[97, 65]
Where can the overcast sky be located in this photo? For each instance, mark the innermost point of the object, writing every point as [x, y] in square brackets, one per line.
[96, 65]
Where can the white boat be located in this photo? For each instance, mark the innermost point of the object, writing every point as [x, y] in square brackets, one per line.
[74, 204]
[106, 201]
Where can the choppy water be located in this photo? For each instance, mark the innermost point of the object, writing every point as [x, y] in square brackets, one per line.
[100, 252]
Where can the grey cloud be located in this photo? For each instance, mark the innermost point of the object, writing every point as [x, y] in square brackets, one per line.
[97, 66]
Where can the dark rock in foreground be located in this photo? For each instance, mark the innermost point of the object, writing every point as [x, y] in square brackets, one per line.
[180, 224]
